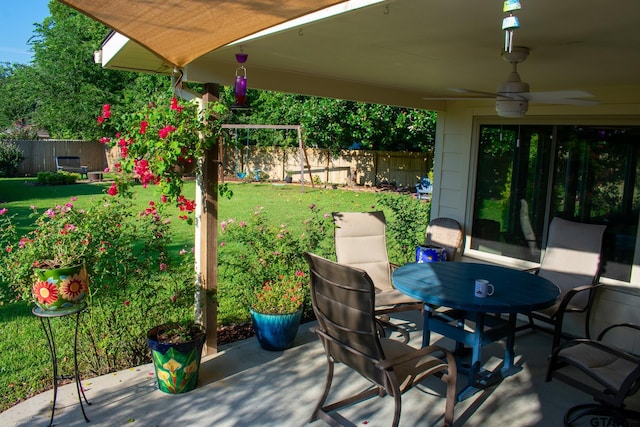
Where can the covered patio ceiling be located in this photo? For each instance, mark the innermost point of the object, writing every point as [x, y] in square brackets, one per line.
[396, 52]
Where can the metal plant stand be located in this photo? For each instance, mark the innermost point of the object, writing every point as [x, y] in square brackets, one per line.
[45, 321]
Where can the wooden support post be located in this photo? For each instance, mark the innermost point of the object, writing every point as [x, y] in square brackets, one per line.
[209, 234]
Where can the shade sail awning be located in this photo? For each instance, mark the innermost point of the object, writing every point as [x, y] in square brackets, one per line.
[179, 31]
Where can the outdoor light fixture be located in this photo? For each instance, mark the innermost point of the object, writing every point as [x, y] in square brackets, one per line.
[240, 88]
[510, 22]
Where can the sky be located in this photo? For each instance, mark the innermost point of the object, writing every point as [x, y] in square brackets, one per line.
[16, 27]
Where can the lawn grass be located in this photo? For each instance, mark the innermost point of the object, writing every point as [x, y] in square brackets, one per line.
[25, 367]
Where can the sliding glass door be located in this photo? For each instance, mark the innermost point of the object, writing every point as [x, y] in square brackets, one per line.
[528, 174]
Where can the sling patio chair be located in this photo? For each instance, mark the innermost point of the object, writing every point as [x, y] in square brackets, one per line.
[360, 241]
[572, 262]
[445, 233]
[343, 302]
[608, 373]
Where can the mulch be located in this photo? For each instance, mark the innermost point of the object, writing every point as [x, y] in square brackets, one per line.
[233, 333]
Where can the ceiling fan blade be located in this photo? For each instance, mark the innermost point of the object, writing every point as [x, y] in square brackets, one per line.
[556, 94]
[569, 101]
[472, 98]
[478, 92]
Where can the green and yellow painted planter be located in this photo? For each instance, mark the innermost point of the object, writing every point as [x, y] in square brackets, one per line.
[176, 364]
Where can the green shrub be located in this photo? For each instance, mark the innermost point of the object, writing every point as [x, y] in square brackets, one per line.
[10, 158]
[57, 178]
[256, 251]
[135, 283]
[407, 220]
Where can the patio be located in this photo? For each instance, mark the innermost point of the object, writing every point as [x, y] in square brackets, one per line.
[244, 385]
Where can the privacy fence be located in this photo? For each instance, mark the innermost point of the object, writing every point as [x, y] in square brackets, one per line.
[349, 167]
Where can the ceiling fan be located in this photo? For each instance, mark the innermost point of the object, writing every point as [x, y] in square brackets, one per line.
[513, 96]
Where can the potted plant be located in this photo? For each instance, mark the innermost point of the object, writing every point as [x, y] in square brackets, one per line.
[277, 310]
[160, 143]
[176, 349]
[47, 265]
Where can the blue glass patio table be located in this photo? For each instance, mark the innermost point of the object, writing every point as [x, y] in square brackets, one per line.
[452, 285]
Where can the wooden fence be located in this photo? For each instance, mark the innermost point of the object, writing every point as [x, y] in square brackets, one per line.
[350, 167]
[40, 156]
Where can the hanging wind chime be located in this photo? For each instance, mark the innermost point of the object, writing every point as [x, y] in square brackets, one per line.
[510, 23]
[240, 88]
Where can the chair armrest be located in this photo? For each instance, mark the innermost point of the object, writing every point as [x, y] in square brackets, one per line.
[418, 353]
[533, 270]
[573, 292]
[617, 325]
[618, 352]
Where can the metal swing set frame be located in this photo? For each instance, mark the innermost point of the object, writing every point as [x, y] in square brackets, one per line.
[302, 152]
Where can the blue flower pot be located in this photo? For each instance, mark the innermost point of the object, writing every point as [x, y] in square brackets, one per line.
[276, 332]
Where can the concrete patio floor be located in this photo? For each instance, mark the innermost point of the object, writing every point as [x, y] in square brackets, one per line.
[244, 385]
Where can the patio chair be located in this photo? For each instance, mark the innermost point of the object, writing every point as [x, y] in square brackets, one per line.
[343, 302]
[572, 262]
[445, 233]
[424, 189]
[607, 373]
[360, 241]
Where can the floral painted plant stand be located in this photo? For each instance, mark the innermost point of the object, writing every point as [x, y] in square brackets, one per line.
[45, 320]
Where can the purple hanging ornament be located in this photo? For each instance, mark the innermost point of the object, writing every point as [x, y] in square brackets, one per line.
[240, 88]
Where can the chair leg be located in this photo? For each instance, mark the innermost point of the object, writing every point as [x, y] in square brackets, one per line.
[398, 408]
[325, 393]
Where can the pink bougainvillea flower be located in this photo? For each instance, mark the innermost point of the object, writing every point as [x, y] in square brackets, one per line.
[100, 120]
[311, 206]
[175, 106]
[3, 211]
[163, 198]
[165, 131]
[163, 266]
[106, 111]
[143, 127]
[141, 168]
[185, 205]
[106, 169]
[113, 190]
[45, 292]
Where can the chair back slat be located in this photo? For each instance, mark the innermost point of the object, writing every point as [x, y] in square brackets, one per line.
[345, 314]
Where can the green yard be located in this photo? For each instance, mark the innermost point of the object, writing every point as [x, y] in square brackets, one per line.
[25, 363]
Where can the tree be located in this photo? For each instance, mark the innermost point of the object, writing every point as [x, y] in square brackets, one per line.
[339, 124]
[70, 87]
[18, 104]
[63, 90]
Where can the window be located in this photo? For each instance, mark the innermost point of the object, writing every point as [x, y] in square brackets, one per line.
[528, 174]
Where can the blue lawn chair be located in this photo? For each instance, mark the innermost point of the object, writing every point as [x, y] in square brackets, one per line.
[424, 188]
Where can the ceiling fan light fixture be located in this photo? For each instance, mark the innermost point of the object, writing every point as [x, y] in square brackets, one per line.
[512, 108]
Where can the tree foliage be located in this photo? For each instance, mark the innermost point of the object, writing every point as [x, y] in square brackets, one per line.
[63, 88]
[338, 124]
